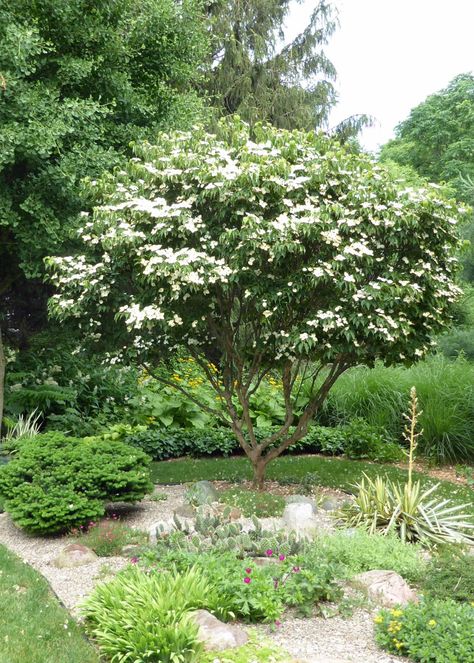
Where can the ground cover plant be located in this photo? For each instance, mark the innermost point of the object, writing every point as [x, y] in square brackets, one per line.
[251, 248]
[253, 503]
[450, 575]
[34, 627]
[108, 536]
[143, 617]
[56, 483]
[430, 632]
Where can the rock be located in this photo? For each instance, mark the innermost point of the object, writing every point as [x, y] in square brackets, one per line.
[299, 516]
[330, 504]
[185, 511]
[215, 635]
[266, 561]
[202, 492]
[301, 499]
[386, 588]
[74, 555]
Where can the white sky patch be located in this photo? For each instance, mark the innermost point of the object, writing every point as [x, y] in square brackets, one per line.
[391, 54]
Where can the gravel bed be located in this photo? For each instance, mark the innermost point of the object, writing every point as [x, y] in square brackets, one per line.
[72, 585]
[333, 640]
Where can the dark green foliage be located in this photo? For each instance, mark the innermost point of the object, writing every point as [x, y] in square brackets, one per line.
[291, 87]
[172, 443]
[380, 396]
[429, 632]
[363, 440]
[450, 575]
[56, 483]
[78, 82]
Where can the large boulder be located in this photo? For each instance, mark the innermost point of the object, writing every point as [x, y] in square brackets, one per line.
[75, 554]
[386, 588]
[301, 499]
[299, 516]
[215, 635]
[202, 492]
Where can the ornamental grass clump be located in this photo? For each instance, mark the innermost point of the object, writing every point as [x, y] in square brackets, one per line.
[415, 514]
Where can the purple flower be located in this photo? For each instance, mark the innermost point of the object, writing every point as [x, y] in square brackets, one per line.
[277, 623]
[134, 560]
[296, 569]
[282, 558]
[248, 571]
[247, 580]
[269, 552]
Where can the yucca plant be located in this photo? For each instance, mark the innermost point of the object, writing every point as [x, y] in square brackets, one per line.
[24, 428]
[416, 515]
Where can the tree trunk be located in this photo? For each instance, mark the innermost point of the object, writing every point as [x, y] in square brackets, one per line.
[2, 380]
[259, 468]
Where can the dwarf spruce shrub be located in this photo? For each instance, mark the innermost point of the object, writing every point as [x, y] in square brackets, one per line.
[56, 482]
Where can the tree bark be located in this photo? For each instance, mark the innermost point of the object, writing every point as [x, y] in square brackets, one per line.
[259, 467]
[2, 381]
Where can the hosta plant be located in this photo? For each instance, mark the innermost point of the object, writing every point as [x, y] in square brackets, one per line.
[386, 506]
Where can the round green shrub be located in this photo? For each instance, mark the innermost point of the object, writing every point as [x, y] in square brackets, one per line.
[58, 482]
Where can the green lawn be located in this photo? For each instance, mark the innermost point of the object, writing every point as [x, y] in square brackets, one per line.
[34, 628]
[331, 472]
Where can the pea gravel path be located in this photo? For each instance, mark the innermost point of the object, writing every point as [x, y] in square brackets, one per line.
[316, 640]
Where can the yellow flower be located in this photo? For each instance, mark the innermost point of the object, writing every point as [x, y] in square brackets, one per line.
[432, 623]
[378, 619]
[396, 613]
[399, 645]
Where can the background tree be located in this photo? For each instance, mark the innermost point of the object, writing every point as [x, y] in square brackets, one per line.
[437, 138]
[79, 80]
[277, 252]
[254, 74]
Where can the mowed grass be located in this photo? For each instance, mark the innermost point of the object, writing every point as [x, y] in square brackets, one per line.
[331, 472]
[34, 628]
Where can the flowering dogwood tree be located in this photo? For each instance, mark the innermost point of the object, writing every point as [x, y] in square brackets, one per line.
[272, 252]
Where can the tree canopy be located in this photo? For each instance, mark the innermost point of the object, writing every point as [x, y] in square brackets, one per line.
[272, 251]
[79, 80]
[437, 139]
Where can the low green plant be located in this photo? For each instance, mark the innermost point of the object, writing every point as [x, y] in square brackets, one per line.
[213, 533]
[158, 497]
[467, 473]
[364, 440]
[56, 483]
[257, 650]
[430, 632]
[258, 592]
[108, 536]
[144, 617]
[254, 503]
[357, 551]
[165, 443]
[415, 514]
[450, 575]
